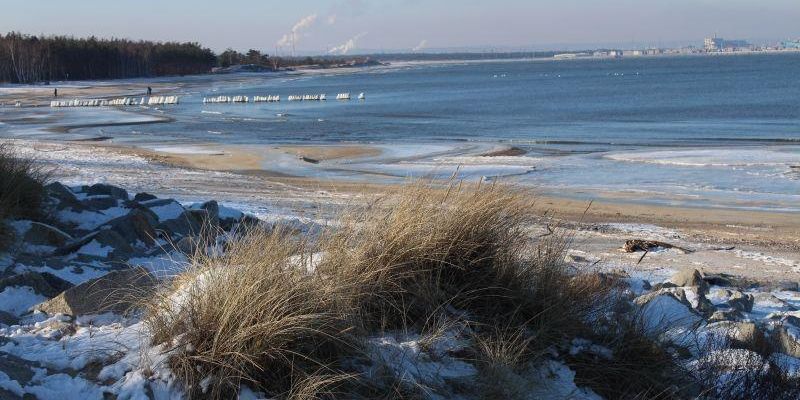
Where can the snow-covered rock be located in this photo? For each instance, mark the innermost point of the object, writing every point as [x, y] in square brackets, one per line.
[117, 291]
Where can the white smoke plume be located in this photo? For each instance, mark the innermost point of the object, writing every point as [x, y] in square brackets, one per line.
[331, 19]
[421, 46]
[347, 46]
[297, 30]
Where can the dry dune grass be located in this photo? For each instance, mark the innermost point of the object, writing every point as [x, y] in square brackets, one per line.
[21, 188]
[258, 315]
[251, 316]
[423, 250]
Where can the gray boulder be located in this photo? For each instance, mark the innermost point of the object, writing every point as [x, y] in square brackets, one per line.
[786, 341]
[136, 226]
[41, 234]
[64, 197]
[725, 315]
[118, 292]
[690, 278]
[677, 293]
[99, 203]
[207, 214]
[140, 197]
[745, 335]
[164, 209]
[44, 283]
[185, 225]
[768, 299]
[741, 301]
[120, 248]
[104, 189]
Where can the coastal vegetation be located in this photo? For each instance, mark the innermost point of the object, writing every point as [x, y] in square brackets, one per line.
[428, 290]
[32, 59]
[21, 189]
[256, 60]
[296, 314]
[29, 58]
[281, 312]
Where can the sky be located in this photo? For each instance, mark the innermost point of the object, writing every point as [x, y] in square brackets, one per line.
[352, 26]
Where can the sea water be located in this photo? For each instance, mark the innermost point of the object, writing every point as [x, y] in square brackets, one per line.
[711, 131]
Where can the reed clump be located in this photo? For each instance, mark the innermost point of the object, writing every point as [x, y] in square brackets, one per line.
[22, 190]
[284, 312]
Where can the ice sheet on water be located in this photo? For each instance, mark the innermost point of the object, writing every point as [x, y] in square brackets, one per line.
[739, 157]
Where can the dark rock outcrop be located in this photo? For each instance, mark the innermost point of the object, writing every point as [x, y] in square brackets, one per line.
[44, 283]
[137, 226]
[108, 190]
[45, 235]
[140, 197]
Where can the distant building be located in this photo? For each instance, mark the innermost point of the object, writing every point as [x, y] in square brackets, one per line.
[720, 44]
[633, 53]
[735, 44]
[607, 54]
[713, 44]
[791, 44]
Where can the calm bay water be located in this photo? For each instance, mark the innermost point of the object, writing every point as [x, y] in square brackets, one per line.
[707, 131]
[601, 104]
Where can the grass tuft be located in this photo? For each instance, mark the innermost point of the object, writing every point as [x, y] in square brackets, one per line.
[21, 189]
[467, 247]
[279, 312]
[252, 316]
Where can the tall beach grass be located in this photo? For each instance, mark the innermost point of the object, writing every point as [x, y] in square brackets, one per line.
[289, 314]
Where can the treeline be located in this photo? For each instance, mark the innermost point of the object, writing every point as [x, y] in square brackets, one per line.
[29, 59]
[230, 58]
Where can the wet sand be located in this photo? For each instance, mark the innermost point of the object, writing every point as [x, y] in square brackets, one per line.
[250, 159]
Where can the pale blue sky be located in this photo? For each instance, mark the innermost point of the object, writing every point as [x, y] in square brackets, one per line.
[406, 24]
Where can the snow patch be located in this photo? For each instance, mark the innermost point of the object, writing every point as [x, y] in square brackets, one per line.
[17, 300]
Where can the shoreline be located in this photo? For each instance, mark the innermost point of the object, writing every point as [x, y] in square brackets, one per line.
[762, 228]
[760, 246]
[317, 181]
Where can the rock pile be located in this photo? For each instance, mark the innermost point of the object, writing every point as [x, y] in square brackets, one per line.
[87, 252]
[714, 313]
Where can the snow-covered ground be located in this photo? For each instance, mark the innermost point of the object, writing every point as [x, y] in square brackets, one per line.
[55, 356]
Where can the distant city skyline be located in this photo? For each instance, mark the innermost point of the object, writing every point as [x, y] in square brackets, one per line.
[350, 26]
